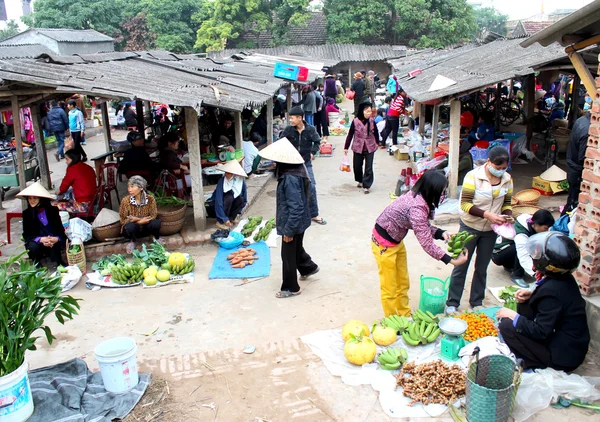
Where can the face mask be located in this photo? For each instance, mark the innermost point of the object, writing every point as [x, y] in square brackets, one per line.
[495, 172]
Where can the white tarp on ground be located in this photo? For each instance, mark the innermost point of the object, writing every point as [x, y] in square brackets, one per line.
[271, 240]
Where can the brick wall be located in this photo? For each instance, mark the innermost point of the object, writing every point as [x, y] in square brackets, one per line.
[587, 228]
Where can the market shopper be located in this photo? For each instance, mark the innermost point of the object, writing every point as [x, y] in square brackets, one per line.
[251, 157]
[512, 253]
[78, 186]
[309, 104]
[549, 328]
[138, 213]
[307, 141]
[484, 200]
[58, 122]
[359, 88]
[392, 119]
[413, 210]
[330, 88]
[575, 158]
[293, 215]
[77, 128]
[364, 137]
[130, 116]
[43, 232]
[370, 87]
[230, 196]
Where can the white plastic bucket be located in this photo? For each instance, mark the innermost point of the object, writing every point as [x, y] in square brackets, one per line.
[118, 364]
[64, 218]
[16, 402]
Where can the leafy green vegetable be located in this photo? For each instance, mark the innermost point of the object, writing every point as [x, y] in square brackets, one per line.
[104, 262]
[155, 254]
[74, 249]
[508, 292]
[163, 200]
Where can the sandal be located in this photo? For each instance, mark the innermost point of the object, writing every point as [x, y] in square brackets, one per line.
[130, 248]
[320, 221]
[304, 277]
[284, 294]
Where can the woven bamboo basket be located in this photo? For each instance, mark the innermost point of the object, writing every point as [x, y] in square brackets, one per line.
[107, 232]
[524, 209]
[514, 201]
[169, 214]
[171, 227]
[527, 197]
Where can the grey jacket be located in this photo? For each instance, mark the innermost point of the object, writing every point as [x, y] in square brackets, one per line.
[293, 212]
[309, 103]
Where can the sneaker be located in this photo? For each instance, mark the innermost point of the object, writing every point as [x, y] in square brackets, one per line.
[450, 310]
[57, 156]
[519, 282]
[367, 191]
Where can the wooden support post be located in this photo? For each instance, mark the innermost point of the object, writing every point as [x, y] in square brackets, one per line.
[237, 119]
[497, 108]
[434, 129]
[584, 73]
[454, 147]
[270, 121]
[19, 145]
[139, 111]
[148, 110]
[529, 96]
[40, 147]
[350, 77]
[288, 99]
[422, 117]
[193, 138]
[574, 110]
[106, 127]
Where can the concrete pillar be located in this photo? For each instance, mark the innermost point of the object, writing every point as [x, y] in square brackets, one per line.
[237, 120]
[270, 121]
[18, 145]
[40, 147]
[434, 129]
[193, 138]
[454, 147]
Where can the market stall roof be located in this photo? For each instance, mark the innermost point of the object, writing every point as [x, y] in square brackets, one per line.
[60, 35]
[29, 51]
[469, 68]
[152, 76]
[578, 26]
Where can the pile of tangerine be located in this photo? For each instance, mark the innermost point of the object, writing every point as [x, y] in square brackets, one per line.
[479, 325]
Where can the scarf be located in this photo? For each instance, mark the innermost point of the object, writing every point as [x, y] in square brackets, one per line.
[143, 200]
[235, 184]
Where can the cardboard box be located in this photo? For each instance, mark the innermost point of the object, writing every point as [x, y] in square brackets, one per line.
[401, 153]
[544, 187]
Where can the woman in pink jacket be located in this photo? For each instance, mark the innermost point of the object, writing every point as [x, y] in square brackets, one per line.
[364, 137]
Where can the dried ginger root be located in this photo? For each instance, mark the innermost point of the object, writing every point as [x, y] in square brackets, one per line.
[432, 382]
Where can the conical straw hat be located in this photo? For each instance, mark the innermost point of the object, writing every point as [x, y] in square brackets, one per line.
[554, 174]
[36, 190]
[282, 151]
[232, 167]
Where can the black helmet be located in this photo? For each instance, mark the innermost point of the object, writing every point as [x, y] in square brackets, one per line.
[553, 252]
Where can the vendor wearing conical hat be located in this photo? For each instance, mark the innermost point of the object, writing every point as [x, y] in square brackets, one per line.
[293, 214]
[43, 231]
[229, 197]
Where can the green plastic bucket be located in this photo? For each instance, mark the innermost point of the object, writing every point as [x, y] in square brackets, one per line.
[433, 294]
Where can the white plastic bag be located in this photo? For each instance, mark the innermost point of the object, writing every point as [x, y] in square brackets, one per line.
[506, 230]
[70, 278]
[79, 229]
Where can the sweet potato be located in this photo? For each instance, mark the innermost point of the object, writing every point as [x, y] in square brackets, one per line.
[240, 265]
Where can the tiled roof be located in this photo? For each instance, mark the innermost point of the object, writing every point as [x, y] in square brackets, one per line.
[534, 27]
[62, 35]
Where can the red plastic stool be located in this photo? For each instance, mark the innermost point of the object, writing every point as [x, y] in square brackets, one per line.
[10, 214]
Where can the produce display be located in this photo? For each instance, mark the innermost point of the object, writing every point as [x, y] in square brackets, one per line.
[507, 294]
[392, 358]
[251, 225]
[355, 328]
[242, 257]
[127, 273]
[265, 231]
[155, 254]
[106, 263]
[458, 242]
[398, 323]
[432, 382]
[359, 350]
[384, 335]
[422, 330]
[179, 264]
[478, 326]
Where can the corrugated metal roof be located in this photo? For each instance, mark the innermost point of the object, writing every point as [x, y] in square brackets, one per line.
[61, 35]
[22, 51]
[473, 68]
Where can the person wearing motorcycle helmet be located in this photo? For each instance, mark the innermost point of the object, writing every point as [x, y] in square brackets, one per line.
[549, 328]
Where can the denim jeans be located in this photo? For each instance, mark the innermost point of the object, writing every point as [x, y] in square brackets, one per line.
[60, 139]
[312, 202]
[310, 118]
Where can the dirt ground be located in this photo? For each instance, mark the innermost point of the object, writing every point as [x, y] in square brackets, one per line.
[199, 330]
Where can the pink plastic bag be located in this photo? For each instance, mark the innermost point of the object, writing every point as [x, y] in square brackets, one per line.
[506, 230]
[345, 166]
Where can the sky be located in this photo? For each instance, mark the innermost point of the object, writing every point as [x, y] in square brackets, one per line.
[522, 9]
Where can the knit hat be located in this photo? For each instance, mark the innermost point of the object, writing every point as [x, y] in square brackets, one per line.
[232, 167]
[296, 111]
[282, 151]
[358, 75]
[138, 181]
[35, 190]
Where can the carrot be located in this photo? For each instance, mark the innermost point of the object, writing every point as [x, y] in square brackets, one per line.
[236, 260]
[240, 265]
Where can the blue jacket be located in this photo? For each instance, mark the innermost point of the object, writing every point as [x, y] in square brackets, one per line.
[58, 120]
[216, 200]
[293, 212]
[76, 121]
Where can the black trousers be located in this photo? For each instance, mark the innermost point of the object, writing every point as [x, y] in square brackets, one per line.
[135, 231]
[37, 252]
[392, 124]
[321, 122]
[365, 176]
[77, 144]
[295, 259]
[533, 353]
[574, 179]
[508, 259]
[232, 207]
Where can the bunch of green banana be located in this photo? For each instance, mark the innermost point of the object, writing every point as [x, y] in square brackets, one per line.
[419, 315]
[263, 234]
[392, 358]
[185, 268]
[251, 225]
[128, 273]
[421, 333]
[457, 243]
[398, 323]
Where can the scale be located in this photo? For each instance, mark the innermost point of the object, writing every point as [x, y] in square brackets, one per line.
[452, 342]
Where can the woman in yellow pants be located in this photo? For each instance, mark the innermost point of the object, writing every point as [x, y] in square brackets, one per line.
[413, 210]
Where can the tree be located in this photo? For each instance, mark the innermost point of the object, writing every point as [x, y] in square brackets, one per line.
[490, 19]
[359, 22]
[12, 28]
[288, 13]
[136, 35]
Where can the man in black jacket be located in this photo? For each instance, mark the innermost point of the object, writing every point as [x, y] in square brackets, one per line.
[575, 158]
[307, 141]
[58, 123]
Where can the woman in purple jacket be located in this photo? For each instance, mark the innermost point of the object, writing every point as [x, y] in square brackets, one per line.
[363, 131]
[412, 210]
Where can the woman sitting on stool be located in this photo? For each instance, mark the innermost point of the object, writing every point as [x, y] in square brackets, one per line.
[138, 213]
[230, 197]
[43, 231]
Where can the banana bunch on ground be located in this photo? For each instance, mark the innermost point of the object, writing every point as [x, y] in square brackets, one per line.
[251, 225]
[421, 333]
[392, 358]
[457, 243]
[128, 273]
[419, 315]
[186, 267]
[398, 323]
[265, 231]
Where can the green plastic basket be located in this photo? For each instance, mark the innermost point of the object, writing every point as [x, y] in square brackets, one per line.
[433, 303]
[239, 154]
[492, 385]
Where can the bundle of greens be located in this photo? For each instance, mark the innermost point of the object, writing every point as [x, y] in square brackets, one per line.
[107, 263]
[155, 254]
[507, 294]
[163, 200]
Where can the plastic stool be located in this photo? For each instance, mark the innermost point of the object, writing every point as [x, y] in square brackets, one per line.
[10, 214]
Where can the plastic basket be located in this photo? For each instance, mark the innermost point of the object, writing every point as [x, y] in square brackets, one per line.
[432, 302]
[492, 384]
[239, 154]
